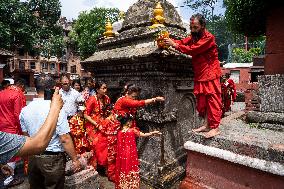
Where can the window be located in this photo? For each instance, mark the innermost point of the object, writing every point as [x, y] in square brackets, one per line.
[63, 68]
[73, 69]
[44, 65]
[22, 65]
[235, 76]
[13, 65]
[52, 66]
[32, 65]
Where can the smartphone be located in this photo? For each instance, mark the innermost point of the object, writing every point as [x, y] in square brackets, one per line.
[48, 93]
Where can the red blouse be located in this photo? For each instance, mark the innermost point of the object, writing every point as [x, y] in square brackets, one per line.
[95, 108]
[125, 105]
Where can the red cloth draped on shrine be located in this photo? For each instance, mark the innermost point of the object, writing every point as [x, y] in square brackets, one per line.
[207, 72]
[78, 134]
[229, 94]
[127, 170]
[98, 140]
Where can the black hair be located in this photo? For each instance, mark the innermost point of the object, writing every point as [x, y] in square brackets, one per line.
[89, 79]
[44, 82]
[201, 19]
[131, 88]
[5, 83]
[64, 75]
[20, 82]
[99, 84]
[227, 75]
[77, 81]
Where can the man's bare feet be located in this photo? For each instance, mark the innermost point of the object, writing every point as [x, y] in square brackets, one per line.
[212, 133]
[203, 128]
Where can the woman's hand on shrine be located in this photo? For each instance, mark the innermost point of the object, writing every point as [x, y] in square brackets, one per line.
[159, 99]
[155, 133]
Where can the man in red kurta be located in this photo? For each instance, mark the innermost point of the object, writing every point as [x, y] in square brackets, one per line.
[202, 47]
[12, 100]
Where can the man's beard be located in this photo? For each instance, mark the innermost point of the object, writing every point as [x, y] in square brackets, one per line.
[196, 35]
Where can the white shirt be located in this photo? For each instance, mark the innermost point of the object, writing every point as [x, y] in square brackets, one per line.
[33, 116]
[70, 100]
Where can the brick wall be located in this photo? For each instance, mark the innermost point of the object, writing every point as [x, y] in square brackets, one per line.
[274, 60]
[244, 79]
[252, 100]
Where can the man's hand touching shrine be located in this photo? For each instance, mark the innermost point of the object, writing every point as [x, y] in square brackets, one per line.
[170, 42]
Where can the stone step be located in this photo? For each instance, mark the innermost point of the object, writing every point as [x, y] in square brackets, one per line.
[245, 139]
[242, 156]
[213, 168]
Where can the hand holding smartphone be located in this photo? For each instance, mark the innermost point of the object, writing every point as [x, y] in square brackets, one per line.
[48, 93]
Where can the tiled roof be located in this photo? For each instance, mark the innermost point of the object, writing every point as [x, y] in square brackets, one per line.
[4, 52]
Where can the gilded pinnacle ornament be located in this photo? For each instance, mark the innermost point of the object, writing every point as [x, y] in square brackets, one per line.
[108, 33]
[158, 20]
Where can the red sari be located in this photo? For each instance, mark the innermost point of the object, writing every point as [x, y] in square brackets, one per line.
[110, 127]
[78, 134]
[98, 141]
[127, 170]
[228, 95]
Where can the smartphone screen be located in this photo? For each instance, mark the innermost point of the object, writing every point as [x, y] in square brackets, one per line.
[48, 93]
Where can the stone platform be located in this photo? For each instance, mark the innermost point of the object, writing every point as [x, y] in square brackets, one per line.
[240, 157]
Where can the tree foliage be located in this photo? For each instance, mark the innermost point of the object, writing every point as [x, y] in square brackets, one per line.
[246, 17]
[240, 55]
[30, 25]
[205, 7]
[226, 32]
[89, 27]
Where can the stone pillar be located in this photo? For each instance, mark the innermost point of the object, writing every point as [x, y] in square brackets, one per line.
[2, 72]
[274, 60]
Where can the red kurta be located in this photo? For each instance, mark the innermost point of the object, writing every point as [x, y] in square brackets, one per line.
[97, 139]
[205, 63]
[12, 100]
[127, 170]
[207, 72]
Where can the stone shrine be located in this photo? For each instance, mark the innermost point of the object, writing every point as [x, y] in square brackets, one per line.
[133, 57]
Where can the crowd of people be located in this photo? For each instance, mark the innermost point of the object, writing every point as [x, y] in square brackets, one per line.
[82, 122]
[87, 126]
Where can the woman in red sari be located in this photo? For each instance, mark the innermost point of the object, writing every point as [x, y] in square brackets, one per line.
[127, 170]
[96, 111]
[229, 93]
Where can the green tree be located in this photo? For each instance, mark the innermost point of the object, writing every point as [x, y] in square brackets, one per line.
[240, 55]
[29, 25]
[15, 25]
[246, 17]
[48, 35]
[90, 27]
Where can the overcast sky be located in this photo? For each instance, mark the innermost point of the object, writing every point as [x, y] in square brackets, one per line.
[72, 8]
